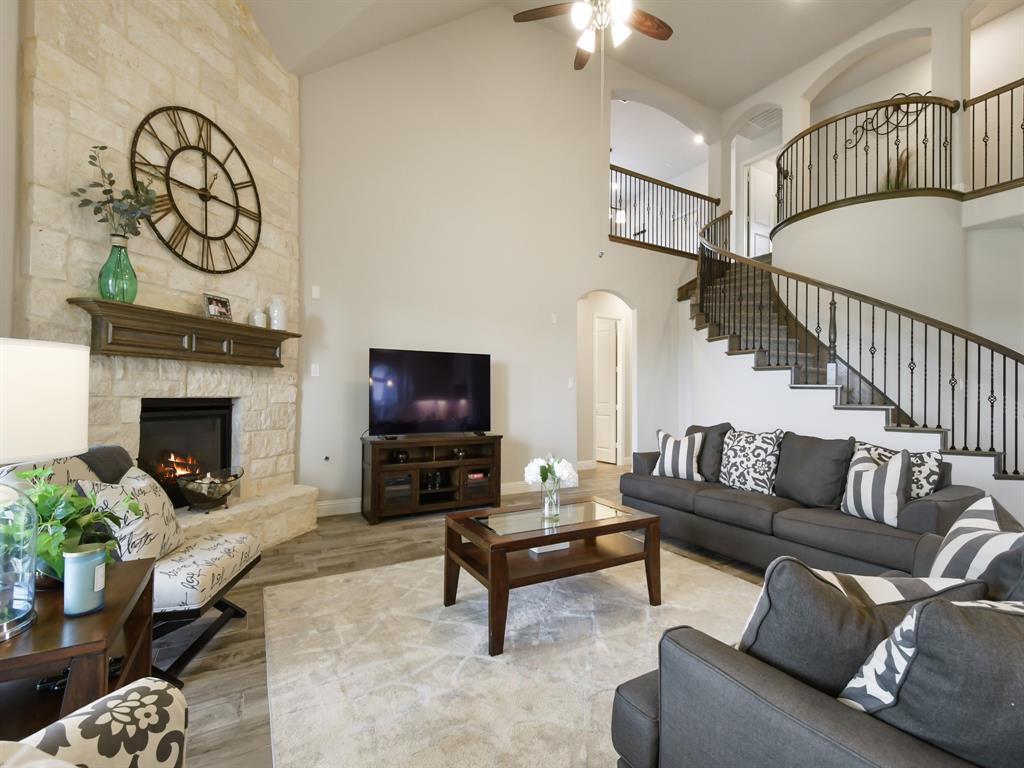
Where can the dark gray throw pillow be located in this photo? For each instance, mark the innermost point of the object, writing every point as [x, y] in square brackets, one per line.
[819, 626]
[813, 471]
[951, 674]
[710, 461]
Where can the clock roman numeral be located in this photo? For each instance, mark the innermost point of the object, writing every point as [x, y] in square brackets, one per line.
[229, 255]
[151, 130]
[207, 254]
[242, 184]
[179, 127]
[247, 241]
[205, 133]
[228, 156]
[179, 237]
[151, 169]
[161, 207]
[249, 214]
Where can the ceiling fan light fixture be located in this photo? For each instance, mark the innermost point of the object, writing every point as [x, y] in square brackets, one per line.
[619, 34]
[587, 41]
[620, 11]
[581, 14]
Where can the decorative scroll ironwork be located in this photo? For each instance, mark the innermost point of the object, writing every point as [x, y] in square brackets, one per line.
[889, 118]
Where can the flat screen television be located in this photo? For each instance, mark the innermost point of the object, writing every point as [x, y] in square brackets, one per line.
[422, 392]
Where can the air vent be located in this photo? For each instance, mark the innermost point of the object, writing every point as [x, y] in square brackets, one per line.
[770, 118]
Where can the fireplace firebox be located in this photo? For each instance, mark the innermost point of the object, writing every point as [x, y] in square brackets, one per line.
[184, 436]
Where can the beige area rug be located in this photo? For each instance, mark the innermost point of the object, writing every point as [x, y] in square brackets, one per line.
[370, 669]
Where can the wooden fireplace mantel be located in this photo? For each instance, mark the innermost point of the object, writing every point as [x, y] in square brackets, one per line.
[135, 331]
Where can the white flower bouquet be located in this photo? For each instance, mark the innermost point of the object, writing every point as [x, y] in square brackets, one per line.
[551, 475]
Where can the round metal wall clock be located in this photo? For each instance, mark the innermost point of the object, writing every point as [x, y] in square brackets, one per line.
[207, 209]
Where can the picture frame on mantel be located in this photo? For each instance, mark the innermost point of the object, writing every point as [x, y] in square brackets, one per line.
[217, 307]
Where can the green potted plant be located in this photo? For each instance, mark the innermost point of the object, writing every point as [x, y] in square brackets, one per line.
[121, 212]
[67, 518]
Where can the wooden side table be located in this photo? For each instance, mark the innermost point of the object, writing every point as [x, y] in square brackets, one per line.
[83, 643]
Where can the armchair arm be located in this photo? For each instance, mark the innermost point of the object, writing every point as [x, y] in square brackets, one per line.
[722, 707]
[936, 512]
[645, 461]
[155, 708]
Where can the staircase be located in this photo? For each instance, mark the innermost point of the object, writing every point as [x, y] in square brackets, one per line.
[924, 375]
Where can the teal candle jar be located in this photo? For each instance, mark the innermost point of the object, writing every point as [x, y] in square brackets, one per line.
[85, 573]
[118, 281]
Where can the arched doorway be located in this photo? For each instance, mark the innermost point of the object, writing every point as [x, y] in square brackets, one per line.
[606, 379]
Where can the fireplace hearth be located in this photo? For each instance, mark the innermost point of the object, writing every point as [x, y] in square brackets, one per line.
[184, 437]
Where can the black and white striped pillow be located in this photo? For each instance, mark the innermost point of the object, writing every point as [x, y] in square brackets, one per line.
[877, 491]
[985, 543]
[925, 467]
[678, 457]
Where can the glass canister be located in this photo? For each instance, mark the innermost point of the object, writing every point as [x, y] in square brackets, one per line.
[85, 573]
[17, 562]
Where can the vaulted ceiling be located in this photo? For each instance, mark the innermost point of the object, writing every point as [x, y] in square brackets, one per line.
[721, 52]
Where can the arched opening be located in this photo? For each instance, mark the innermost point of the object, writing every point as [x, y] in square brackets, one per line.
[650, 141]
[606, 374]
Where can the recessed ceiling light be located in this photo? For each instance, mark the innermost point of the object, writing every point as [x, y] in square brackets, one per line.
[698, 138]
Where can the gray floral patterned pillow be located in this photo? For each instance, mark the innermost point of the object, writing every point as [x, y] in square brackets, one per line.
[750, 460]
[156, 531]
[924, 467]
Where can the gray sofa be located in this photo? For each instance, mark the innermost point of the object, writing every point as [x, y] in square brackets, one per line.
[756, 528]
[711, 705]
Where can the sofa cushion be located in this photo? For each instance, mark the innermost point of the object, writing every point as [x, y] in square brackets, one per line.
[678, 457]
[66, 470]
[926, 471]
[813, 471]
[743, 508]
[750, 460]
[635, 720]
[832, 531]
[667, 491]
[819, 626]
[877, 491]
[951, 674]
[710, 461]
[152, 533]
[985, 543]
[193, 574]
[108, 462]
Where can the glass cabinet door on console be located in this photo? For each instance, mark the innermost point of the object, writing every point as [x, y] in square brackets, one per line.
[477, 482]
[397, 491]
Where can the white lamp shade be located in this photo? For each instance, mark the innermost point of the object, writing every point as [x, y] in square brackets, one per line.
[44, 400]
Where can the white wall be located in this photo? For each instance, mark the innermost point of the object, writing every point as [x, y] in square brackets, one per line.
[606, 305]
[454, 196]
[995, 284]
[913, 77]
[997, 52]
[8, 155]
[907, 251]
[695, 179]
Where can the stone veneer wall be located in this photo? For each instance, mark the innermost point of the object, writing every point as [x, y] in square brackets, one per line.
[91, 71]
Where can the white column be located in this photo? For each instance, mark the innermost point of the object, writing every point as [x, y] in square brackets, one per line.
[951, 75]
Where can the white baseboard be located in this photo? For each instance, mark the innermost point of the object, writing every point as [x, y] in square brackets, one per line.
[330, 507]
[586, 464]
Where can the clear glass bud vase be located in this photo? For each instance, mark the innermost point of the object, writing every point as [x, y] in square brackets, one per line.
[549, 491]
[118, 281]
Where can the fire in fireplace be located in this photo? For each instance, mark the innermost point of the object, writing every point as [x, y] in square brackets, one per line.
[182, 437]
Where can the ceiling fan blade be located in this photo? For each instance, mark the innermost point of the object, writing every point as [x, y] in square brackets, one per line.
[545, 12]
[649, 25]
[582, 57]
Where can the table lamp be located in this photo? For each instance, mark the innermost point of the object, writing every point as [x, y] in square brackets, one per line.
[44, 413]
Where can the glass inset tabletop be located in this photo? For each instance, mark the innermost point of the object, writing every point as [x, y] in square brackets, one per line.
[509, 523]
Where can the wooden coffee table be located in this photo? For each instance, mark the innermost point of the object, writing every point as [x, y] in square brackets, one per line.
[494, 546]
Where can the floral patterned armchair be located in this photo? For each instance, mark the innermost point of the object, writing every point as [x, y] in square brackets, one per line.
[142, 725]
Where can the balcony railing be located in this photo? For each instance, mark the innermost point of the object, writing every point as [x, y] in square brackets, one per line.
[995, 124]
[654, 214]
[898, 147]
[928, 374]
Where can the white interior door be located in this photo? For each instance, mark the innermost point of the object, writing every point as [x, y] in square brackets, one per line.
[606, 389]
[760, 210]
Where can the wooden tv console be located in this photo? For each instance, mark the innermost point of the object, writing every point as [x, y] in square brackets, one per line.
[429, 473]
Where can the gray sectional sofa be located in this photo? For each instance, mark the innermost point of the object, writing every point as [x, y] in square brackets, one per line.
[756, 528]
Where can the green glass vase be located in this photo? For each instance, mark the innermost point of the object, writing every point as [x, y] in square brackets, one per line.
[117, 277]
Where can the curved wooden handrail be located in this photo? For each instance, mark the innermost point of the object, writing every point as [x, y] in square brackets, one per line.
[703, 234]
[994, 92]
[952, 104]
[660, 183]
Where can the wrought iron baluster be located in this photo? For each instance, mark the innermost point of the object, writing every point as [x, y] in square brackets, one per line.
[938, 383]
[860, 353]
[992, 400]
[924, 386]
[977, 424]
[899, 369]
[952, 390]
[911, 366]
[872, 349]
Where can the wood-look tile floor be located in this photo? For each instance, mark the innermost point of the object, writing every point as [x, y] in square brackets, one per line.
[226, 684]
